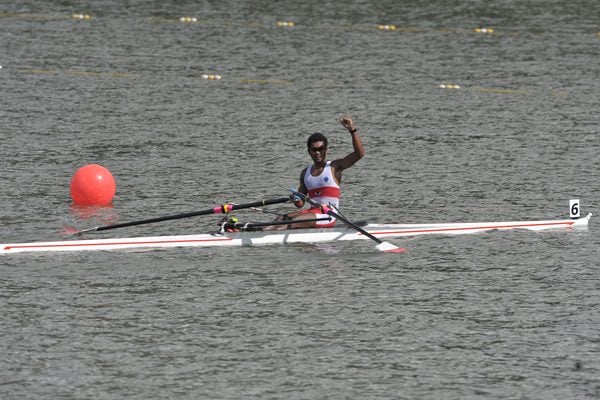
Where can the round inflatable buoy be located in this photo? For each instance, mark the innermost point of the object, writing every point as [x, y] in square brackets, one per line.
[93, 185]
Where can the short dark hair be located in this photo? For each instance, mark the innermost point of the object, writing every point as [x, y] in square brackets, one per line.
[316, 137]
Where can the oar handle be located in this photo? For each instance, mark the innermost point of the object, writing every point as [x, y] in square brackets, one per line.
[308, 200]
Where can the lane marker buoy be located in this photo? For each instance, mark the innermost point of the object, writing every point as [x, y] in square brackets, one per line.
[386, 27]
[287, 24]
[448, 86]
[188, 20]
[81, 16]
[211, 77]
[499, 91]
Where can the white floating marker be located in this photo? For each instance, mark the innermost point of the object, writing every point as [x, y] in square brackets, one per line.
[286, 24]
[211, 77]
[448, 86]
[574, 208]
[81, 16]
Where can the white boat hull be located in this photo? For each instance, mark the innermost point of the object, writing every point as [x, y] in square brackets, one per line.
[340, 233]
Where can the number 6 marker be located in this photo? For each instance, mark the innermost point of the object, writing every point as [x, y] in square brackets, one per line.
[574, 208]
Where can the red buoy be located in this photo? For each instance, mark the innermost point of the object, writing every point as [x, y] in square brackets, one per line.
[93, 185]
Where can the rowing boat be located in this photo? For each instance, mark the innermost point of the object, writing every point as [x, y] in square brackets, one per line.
[253, 238]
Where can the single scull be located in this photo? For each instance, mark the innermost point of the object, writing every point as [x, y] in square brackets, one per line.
[252, 237]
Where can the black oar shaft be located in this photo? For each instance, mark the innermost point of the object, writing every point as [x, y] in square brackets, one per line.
[381, 245]
[353, 225]
[225, 208]
[338, 216]
[153, 220]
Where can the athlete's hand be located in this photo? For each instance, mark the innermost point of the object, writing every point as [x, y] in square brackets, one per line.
[347, 123]
[297, 200]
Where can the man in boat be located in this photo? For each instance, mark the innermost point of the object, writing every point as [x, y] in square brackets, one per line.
[321, 180]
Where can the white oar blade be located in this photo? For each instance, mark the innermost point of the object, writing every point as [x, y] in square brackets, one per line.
[390, 248]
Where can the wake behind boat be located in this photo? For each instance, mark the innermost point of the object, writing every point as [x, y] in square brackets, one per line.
[250, 235]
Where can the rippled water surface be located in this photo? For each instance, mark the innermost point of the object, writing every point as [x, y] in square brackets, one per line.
[497, 315]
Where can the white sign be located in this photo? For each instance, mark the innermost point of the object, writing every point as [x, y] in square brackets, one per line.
[574, 208]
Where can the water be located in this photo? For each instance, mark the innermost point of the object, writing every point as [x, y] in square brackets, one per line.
[497, 315]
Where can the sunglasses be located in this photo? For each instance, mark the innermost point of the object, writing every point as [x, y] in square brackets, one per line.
[319, 149]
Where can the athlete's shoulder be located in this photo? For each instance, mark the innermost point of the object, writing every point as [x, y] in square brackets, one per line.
[303, 173]
[335, 164]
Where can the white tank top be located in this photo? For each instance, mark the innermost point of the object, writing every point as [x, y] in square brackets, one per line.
[323, 188]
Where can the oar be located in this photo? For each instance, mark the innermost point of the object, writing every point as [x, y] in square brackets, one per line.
[222, 209]
[381, 245]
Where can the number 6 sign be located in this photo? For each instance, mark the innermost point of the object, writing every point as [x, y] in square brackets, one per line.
[574, 208]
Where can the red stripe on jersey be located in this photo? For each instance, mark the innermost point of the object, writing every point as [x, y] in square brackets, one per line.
[326, 191]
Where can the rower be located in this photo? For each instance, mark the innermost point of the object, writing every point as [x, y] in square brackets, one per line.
[321, 181]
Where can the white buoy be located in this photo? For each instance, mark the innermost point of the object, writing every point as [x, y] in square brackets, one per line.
[211, 77]
[449, 86]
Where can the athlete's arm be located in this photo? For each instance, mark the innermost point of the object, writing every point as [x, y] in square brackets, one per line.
[359, 151]
[302, 189]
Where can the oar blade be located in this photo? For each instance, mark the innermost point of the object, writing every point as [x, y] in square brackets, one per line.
[390, 248]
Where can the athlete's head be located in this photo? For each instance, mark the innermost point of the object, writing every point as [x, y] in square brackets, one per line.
[317, 147]
[316, 137]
